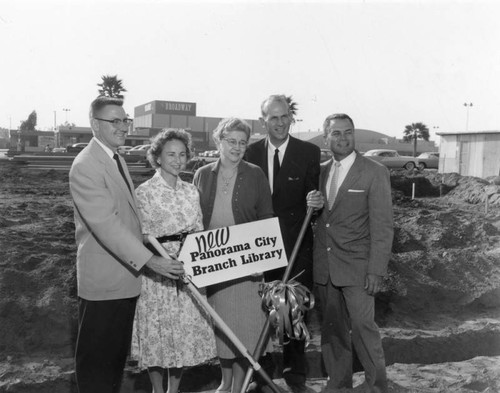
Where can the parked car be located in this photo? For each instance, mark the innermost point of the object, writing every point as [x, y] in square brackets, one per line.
[76, 148]
[429, 160]
[139, 150]
[391, 158]
[211, 156]
[59, 150]
[326, 154]
[123, 149]
[194, 163]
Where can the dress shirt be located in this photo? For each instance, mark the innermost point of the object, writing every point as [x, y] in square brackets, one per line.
[270, 159]
[108, 151]
[344, 167]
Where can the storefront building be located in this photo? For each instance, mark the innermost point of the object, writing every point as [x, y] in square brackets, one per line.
[151, 117]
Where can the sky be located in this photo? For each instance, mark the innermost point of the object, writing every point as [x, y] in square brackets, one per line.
[386, 64]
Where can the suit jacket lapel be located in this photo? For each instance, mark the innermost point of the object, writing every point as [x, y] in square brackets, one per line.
[287, 163]
[353, 175]
[263, 153]
[114, 174]
[260, 155]
[323, 178]
[127, 175]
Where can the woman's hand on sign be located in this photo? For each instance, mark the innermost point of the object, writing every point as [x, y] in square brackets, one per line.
[315, 199]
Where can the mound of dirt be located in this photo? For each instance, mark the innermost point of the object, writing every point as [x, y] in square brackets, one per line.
[456, 188]
[444, 273]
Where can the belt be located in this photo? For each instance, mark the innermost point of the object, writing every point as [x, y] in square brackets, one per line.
[171, 238]
[179, 237]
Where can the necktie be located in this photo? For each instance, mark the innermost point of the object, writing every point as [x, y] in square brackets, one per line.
[333, 185]
[122, 172]
[276, 167]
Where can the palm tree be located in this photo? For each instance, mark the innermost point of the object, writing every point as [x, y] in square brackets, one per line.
[292, 106]
[111, 86]
[30, 123]
[27, 125]
[416, 131]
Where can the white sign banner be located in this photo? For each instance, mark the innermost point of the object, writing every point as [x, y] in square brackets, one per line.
[227, 253]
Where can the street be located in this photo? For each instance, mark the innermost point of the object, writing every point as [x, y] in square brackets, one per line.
[62, 161]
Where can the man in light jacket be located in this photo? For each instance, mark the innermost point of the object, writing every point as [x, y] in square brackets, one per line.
[110, 252]
[352, 247]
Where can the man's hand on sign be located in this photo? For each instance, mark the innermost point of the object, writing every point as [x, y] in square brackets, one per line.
[315, 199]
[170, 268]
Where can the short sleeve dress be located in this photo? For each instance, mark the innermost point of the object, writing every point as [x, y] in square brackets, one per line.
[171, 329]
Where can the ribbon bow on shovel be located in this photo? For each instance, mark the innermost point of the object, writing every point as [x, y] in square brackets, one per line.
[281, 298]
[287, 304]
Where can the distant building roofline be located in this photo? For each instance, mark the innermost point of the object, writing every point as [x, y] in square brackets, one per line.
[468, 132]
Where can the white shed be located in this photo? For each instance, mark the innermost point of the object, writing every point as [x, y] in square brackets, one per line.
[470, 153]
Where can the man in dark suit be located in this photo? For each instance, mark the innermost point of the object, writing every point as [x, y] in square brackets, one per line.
[110, 251]
[292, 167]
[352, 247]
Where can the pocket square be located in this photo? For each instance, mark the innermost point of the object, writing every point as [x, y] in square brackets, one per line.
[293, 178]
[352, 190]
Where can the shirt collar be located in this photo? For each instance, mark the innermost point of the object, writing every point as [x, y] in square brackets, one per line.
[108, 151]
[347, 162]
[159, 178]
[281, 148]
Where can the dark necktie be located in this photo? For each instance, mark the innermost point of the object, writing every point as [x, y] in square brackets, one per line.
[122, 172]
[276, 168]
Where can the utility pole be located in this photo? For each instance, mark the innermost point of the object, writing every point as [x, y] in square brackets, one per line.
[66, 110]
[467, 121]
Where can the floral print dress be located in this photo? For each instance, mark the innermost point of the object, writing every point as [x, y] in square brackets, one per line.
[171, 329]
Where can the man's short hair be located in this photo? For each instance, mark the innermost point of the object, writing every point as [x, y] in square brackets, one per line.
[273, 98]
[102, 101]
[336, 116]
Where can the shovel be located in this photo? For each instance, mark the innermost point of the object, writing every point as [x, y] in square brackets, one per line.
[264, 335]
[218, 321]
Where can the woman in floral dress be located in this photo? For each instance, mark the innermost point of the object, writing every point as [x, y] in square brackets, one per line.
[171, 330]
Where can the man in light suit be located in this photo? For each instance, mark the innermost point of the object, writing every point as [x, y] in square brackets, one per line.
[292, 168]
[110, 253]
[352, 247]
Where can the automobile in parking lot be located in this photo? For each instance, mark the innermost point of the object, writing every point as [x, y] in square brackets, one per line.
[76, 148]
[139, 150]
[123, 149]
[208, 156]
[391, 158]
[326, 154]
[428, 160]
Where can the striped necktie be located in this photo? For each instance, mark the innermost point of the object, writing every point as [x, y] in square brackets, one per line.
[333, 185]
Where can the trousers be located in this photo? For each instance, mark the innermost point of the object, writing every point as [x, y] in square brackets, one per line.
[104, 335]
[348, 321]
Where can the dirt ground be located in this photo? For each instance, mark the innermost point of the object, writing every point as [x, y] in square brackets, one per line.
[439, 312]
